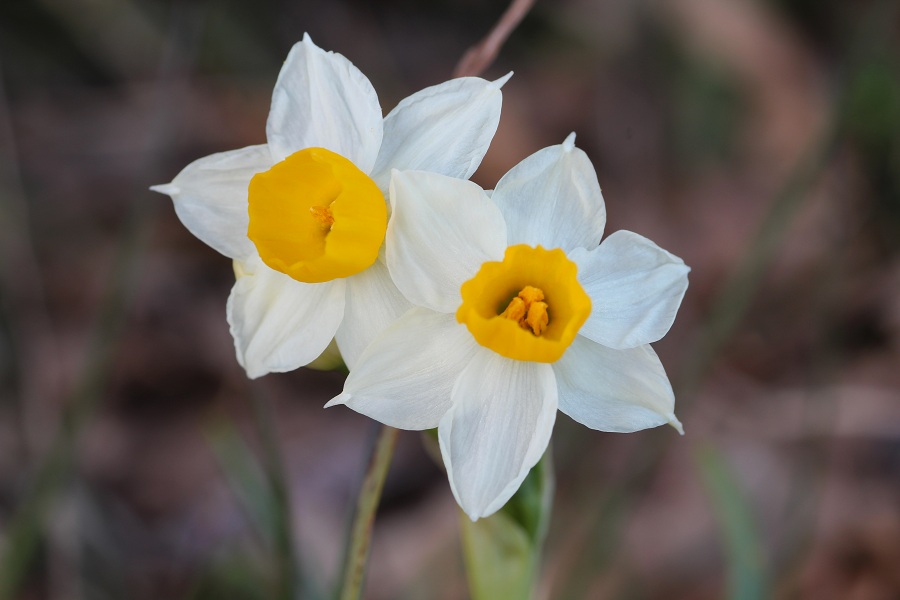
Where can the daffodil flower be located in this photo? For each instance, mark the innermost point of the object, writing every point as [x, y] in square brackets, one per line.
[304, 216]
[519, 309]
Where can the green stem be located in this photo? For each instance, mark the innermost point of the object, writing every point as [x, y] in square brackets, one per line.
[366, 504]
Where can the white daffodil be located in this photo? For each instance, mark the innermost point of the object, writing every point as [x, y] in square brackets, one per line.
[519, 310]
[304, 216]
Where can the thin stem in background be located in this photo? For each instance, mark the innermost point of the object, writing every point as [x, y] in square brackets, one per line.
[25, 525]
[24, 316]
[364, 518]
[871, 34]
[739, 291]
[480, 56]
[24, 530]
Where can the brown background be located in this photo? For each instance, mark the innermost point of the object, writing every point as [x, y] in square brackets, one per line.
[757, 139]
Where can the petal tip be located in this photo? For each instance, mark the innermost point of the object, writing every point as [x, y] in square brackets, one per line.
[165, 188]
[304, 45]
[498, 83]
[255, 372]
[676, 424]
[470, 508]
[342, 398]
[569, 143]
[308, 41]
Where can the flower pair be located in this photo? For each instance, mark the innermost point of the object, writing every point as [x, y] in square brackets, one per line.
[481, 314]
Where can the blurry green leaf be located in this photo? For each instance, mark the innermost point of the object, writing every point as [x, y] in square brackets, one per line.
[502, 552]
[262, 498]
[498, 557]
[245, 477]
[236, 578]
[530, 506]
[706, 109]
[702, 102]
[873, 104]
[747, 577]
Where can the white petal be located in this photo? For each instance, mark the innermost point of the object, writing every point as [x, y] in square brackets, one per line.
[440, 232]
[553, 199]
[614, 390]
[635, 287]
[210, 197]
[497, 429]
[280, 324]
[404, 378]
[373, 303]
[321, 99]
[444, 129]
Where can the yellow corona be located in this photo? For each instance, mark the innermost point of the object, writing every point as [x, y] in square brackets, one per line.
[316, 217]
[529, 306]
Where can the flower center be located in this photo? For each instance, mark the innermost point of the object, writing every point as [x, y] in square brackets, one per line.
[529, 306]
[528, 311]
[323, 215]
[316, 217]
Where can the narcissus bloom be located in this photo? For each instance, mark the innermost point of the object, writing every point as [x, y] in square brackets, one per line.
[519, 310]
[304, 216]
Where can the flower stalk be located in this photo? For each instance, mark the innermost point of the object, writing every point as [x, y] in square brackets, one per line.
[357, 554]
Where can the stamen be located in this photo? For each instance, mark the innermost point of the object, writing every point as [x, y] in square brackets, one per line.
[528, 310]
[531, 294]
[323, 215]
[537, 318]
[516, 310]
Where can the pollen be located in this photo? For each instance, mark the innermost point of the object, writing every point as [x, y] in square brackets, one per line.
[323, 215]
[528, 310]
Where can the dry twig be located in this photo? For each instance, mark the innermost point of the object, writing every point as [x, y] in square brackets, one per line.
[480, 56]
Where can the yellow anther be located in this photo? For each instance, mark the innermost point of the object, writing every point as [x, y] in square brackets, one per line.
[323, 215]
[516, 310]
[528, 310]
[531, 294]
[537, 318]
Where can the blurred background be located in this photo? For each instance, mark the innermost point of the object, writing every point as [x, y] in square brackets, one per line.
[757, 139]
